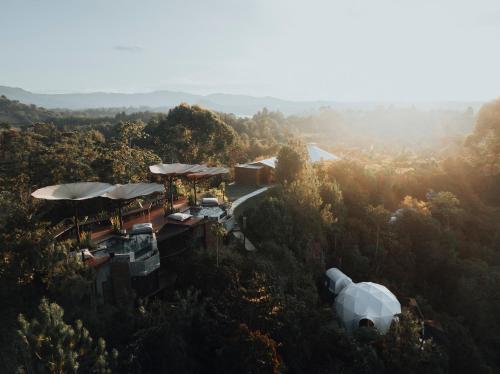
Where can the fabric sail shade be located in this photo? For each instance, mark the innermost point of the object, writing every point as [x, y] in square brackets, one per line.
[75, 192]
[192, 172]
[72, 191]
[132, 190]
[123, 193]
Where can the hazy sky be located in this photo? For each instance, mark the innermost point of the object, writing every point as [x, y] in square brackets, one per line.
[334, 50]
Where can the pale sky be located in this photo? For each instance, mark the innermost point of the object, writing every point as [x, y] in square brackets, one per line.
[366, 50]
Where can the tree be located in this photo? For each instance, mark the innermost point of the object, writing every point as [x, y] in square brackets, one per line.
[444, 206]
[192, 134]
[123, 161]
[379, 216]
[49, 345]
[485, 141]
[290, 164]
[249, 352]
[332, 196]
[219, 231]
[130, 131]
[403, 351]
[415, 204]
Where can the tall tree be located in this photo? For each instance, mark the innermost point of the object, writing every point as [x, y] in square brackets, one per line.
[192, 134]
[290, 164]
[49, 345]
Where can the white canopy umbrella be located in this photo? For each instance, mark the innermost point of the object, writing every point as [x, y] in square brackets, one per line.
[208, 172]
[170, 171]
[175, 169]
[132, 190]
[73, 191]
[366, 301]
[126, 192]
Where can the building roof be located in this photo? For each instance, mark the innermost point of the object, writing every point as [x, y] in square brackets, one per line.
[207, 173]
[315, 154]
[271, 162]
[248, 166]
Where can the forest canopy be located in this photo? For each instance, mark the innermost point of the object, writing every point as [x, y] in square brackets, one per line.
[420, 216]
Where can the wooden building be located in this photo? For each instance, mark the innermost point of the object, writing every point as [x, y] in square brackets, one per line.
[261, 172]
[258, 173]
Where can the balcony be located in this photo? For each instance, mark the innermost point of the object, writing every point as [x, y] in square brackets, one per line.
[141, 268]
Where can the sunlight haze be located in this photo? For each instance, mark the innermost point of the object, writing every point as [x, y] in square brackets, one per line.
[300, 50]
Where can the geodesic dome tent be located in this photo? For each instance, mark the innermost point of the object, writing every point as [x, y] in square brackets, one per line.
[336, 281]
[366, 301]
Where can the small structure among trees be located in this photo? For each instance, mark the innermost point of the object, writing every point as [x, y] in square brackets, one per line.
[364, 304]
[266, 171]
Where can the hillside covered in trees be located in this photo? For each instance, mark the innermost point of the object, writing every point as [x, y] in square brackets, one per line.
[265, 311]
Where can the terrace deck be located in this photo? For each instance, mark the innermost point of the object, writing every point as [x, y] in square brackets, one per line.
[155, 216]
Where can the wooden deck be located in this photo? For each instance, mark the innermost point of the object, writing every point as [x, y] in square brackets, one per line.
[156, 216]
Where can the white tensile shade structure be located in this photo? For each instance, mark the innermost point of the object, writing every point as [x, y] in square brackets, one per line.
[171, 171]
[73, 191]
[366, 301]
[123, 193]
[175, 169]
[208, 172]
[132, 190]
[192, 172]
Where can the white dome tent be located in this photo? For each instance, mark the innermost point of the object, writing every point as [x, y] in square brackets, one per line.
[336, 280]
[363, 302]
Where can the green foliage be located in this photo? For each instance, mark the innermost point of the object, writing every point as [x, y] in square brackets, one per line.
[484, 143]
[444, 206]
[16, 113]
[233, 311]
[289, 165]
[191, 134]
[404, 351]
[49, 345]
[295, 216]
[251, 350]
[122, 160]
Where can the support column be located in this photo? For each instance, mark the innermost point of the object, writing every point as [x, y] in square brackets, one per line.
[77, 225]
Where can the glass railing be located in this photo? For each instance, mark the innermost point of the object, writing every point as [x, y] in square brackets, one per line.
[144, 267]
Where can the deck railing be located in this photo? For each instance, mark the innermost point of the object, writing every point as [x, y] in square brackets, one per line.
[144, 267]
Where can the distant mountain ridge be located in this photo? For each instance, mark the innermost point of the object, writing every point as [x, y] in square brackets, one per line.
[159, 100]
[164, 100]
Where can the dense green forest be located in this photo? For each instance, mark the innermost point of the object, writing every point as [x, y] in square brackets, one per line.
[265, 311]
[17, 114]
